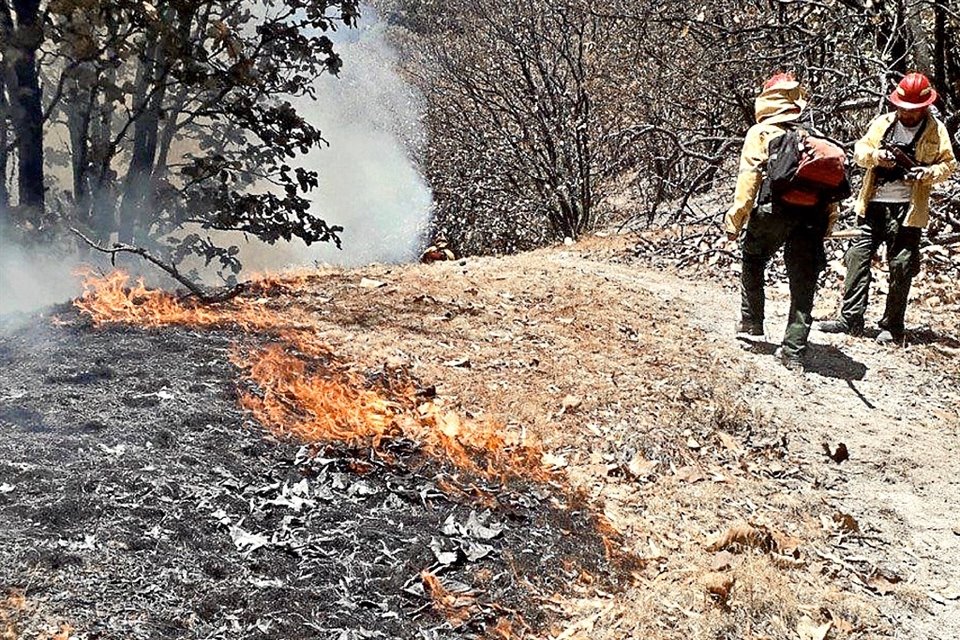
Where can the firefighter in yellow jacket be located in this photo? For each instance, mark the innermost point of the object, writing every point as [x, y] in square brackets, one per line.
[905, 152]
[766, 226]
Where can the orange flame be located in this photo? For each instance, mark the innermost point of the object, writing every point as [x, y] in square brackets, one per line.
[14, 612]
[11, 608]
[112, 299]
[303, 391]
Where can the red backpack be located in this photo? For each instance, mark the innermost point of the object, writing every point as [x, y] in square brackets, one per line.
[804, 170]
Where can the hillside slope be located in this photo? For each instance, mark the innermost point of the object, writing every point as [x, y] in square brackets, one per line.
[703, 453]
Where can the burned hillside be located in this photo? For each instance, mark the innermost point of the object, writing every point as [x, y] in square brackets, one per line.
[139, 501]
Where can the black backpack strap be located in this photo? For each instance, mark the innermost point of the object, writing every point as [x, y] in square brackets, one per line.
[765, 194]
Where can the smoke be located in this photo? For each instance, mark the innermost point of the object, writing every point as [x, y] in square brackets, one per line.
[32, 278]
[369, 181]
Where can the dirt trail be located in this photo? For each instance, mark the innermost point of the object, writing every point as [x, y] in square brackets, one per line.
[899, 419]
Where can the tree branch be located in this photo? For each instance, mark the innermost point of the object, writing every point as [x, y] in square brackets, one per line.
[196, 290]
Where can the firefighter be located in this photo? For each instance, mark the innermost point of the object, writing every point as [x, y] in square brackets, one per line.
[767, 226]
[905, 152]
[437, 251]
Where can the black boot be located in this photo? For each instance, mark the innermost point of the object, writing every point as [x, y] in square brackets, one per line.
[841, 326]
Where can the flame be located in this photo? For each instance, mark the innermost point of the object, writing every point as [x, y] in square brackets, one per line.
[11, 608]
[504, 629]
[63, 633]
[304, 393]
[301, 390]
[111, 299]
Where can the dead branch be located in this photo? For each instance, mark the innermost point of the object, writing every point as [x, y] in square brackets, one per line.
[196, 290]
[704, 254]
[943, 241]
[845, 234]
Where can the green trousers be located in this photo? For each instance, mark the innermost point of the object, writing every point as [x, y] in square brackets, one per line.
[800, 232]
[882, 224]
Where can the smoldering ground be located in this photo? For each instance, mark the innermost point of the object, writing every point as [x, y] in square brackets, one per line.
[137, 500]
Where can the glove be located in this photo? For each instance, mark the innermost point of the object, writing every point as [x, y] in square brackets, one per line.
[919, 174]
[884, 159]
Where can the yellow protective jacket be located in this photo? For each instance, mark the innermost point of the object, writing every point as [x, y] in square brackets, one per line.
[773, 107]
[933, 151]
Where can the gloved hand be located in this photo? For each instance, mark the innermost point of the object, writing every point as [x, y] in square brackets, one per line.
[918, 174]
[884, 158]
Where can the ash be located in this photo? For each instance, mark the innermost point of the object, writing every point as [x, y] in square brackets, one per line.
[138, 501]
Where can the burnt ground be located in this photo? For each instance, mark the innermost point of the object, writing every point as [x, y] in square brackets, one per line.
[138, 501]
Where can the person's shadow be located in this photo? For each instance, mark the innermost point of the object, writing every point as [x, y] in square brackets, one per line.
[822, 359]
[829, 362]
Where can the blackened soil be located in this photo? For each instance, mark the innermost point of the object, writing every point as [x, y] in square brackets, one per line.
[137, 501]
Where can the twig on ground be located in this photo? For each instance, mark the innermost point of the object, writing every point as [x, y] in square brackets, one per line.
[221, 295]
[704, 254]
[946, 240]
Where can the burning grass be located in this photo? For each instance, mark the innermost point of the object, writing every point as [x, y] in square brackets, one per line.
[659, 430]
[298, 387]
[456, 605]
[168, 492]
[12, 608]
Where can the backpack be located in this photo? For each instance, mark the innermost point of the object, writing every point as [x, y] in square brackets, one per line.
[804, 170]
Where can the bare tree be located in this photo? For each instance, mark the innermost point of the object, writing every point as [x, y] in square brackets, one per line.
[22, 35]
[511, 89]
[666, 90]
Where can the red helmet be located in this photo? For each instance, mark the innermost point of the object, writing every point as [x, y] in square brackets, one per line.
[913, 92]
[781, 79]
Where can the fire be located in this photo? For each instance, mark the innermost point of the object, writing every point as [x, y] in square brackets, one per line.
[319, 405]
[113, 299]
[301, 390]
[11, 608]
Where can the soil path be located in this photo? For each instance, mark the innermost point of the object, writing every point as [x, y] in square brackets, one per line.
[899, 419]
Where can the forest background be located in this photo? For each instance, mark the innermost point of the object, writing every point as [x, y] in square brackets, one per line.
[159, 124]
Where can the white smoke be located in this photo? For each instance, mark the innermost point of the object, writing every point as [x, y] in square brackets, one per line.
[369, 180]
[31, 278]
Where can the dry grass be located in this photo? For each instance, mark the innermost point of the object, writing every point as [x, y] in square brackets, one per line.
[605, 373]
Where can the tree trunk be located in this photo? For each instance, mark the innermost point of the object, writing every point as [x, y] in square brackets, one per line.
[946, 68]
[940, 45]
[27, 109]
[893, 33]
[79, 106]
[6, 31]
[138, 186]
[103, 179]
